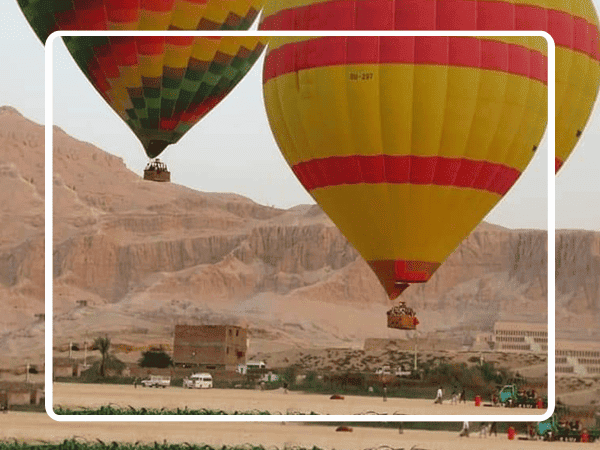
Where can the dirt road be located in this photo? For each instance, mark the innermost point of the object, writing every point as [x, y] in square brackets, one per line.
[75, 395]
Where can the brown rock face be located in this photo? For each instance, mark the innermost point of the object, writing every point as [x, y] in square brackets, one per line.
[147, 255]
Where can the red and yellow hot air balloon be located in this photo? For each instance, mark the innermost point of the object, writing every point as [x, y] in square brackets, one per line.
[573, 24]
[406, 142]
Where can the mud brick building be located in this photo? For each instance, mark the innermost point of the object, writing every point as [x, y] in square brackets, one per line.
[212, 347]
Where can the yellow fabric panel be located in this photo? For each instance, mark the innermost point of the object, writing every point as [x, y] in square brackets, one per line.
[406, 222]
[426, 110]
[205, 49]
[121, 98]
[130, 76]
[151, 65]
[186, 14]
[250, 42]
[239, 7]
[177, 56]
[155, 20]
[218, 11]
[229, 46]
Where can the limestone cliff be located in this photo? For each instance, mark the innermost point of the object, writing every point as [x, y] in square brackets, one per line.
[146, 255]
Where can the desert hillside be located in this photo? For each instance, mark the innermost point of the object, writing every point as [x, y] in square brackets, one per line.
[132, 258]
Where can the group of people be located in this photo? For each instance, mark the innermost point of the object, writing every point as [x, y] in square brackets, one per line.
[455, 398]
[485, 430]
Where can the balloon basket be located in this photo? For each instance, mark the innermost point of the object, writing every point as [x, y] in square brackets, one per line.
[402, 317]
[156, 170]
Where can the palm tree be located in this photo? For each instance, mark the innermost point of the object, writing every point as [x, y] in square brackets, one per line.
[103, 346]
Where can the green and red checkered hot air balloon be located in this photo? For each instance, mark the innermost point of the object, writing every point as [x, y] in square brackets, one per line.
[160, 86]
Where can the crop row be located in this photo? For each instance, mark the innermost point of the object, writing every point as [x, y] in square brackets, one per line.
[131, 411]
[73, 444]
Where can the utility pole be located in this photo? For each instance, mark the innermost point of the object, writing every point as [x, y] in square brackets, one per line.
[85, 354]
[416, 351]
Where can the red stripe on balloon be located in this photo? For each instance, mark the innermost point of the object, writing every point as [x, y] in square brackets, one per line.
[575, 33]
[157, 5]
[406, 169]
[180, 40]
[438, 50]
[150, 45]
[124, 50]
[122, 11]
[557, 164]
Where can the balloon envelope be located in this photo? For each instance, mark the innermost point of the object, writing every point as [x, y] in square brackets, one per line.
[47, 16]
[572, 24]
[406, 142]
[162, 86]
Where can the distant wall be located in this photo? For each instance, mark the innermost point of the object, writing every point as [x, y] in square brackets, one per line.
[430, 345]
[19, 398]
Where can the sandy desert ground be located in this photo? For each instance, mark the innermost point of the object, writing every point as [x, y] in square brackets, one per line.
[75, 395]
[33, 427]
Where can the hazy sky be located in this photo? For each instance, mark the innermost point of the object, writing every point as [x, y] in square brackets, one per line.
[232, 148]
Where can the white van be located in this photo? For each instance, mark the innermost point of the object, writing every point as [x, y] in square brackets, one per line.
[198, 381]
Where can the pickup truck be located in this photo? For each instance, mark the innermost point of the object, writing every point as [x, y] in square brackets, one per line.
[157, 381]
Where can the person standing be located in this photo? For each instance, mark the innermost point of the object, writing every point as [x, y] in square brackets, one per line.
[463, 397]
[494, 429]
[483, 431]
[465, 429]
[439, 396]
[454, 397]
[385, 392]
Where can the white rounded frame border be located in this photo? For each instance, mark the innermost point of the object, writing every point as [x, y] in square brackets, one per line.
[48, 268]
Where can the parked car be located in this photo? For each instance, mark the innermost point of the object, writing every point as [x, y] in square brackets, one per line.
[198, 381]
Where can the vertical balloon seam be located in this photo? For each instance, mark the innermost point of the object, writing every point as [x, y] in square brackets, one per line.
[445, 199]
[299, 132]
[499, 129]
[426, 194]
[392, 203]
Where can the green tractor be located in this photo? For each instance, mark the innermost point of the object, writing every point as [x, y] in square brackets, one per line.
[512, 396]
[557, 428]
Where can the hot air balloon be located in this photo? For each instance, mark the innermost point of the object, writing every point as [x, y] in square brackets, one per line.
[162, 86]
[406, 142]
[572, 24]
[159, 107]
[47, 16]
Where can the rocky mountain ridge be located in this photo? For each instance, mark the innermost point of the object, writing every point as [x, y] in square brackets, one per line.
[144, 256]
